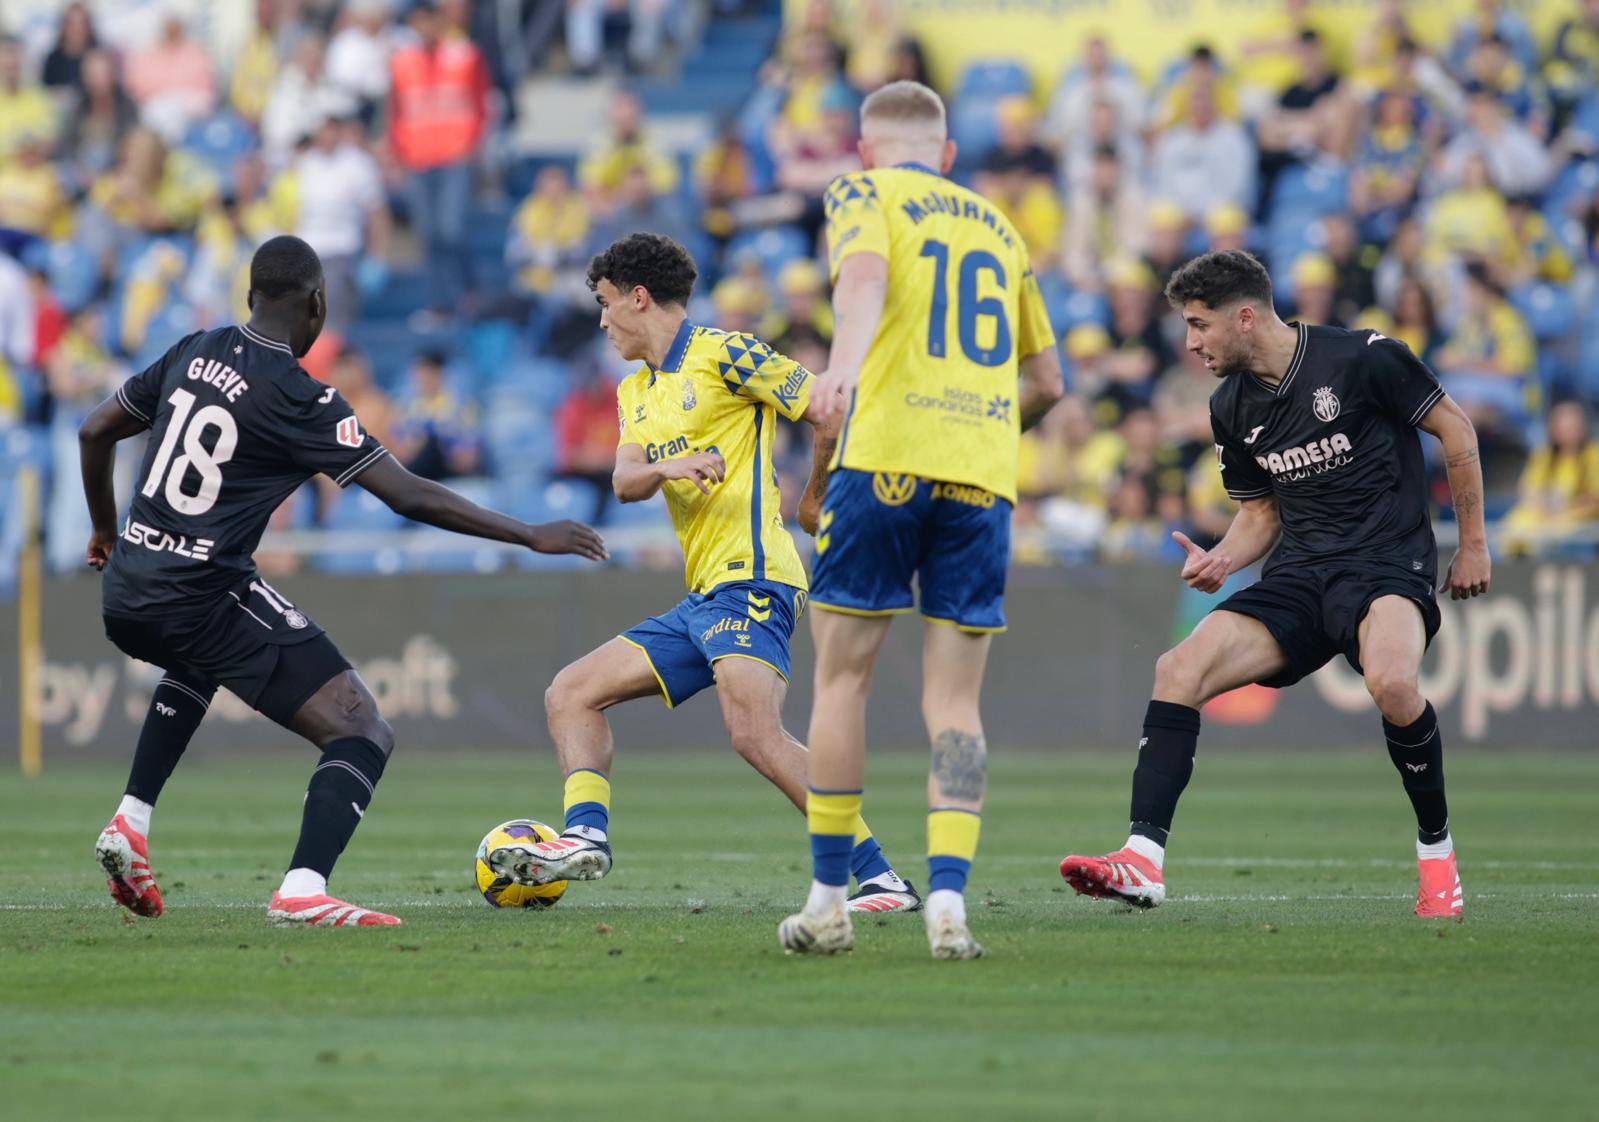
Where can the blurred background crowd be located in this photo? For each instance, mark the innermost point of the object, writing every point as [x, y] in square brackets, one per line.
[455, 164]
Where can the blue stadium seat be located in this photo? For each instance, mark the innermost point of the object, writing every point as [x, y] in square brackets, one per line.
[71, 267]
[776, 246]
[1310, 189]
[995, 78]
[974, 126]
[172, 322]
[1577, 179]
[357, 509]
[1548, 309]
[219, 141]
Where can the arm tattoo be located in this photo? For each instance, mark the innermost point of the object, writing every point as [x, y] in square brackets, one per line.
[960, 764]
[1462, 459]
[1465, 505]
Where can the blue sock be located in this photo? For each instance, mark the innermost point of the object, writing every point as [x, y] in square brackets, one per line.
[947, 872]
[866, 861]
[830, 858]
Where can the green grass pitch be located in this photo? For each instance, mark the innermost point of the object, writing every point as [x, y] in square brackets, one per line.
[1284, 979]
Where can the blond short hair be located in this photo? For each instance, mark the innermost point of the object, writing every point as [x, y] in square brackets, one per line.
[905, 103]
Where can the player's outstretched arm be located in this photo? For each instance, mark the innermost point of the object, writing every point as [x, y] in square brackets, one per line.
[422, 500]
[1041, 385]
[1472, 568]
[97, 455]
[1254, 531]
[635, 478]
[858, 298]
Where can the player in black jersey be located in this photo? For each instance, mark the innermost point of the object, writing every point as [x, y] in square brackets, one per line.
[235, 427]
[1314, 435]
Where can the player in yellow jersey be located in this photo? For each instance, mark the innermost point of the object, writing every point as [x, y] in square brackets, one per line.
[943, 353]
[697, 424]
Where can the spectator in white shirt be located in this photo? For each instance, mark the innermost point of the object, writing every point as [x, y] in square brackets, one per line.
[302, 98]
[344, 216]
[1203, 161]
[358, 55]
[1518, 162]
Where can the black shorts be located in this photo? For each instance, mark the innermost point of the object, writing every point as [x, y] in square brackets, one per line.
[1314, 612]
[252, 640]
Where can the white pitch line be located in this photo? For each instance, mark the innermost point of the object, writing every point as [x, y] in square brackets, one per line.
[685, 905]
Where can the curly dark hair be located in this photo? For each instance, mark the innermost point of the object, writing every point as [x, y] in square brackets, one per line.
[1218, 279]
[655, 261]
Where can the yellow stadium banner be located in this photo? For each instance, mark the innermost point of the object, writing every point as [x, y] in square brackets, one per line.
[1048, 35]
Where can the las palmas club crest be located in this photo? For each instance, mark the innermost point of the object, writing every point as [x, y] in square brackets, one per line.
[1325, 403]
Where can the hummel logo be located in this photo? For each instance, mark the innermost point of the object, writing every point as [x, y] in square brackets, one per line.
[1373, 337]
[1250, 439]
[1143, 740]
[1417, 768]
[165, 710]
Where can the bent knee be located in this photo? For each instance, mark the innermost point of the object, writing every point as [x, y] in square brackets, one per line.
[1180, 676]
[382, 734]
[1396, 692]
[567, 692]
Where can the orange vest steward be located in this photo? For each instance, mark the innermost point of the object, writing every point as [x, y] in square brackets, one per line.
[437, 106]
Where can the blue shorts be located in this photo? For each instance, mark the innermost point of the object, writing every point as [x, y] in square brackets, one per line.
[880, 530]
[743, 619]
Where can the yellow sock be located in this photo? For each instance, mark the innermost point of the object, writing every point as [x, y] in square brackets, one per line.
[951, 845]
[833, 817]
[588, 800]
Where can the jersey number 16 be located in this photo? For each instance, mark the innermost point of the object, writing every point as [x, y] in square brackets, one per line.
[969, 308]
[207, 462]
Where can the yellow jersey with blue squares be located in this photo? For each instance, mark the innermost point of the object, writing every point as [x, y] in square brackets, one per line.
[723, 392]
[937, 392]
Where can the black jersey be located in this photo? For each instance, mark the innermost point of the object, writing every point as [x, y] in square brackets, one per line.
[1335, 442]
[235, 426]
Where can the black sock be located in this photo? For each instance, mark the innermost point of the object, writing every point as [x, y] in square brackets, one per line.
[336, 798]
[176, 710]
[1417, 750]
[1165, 761]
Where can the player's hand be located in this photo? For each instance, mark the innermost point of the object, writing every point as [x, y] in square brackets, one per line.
[1469, 572]
[1204, 570]
[567, 536]
[101, 542]
[702, 469]
[830, 395]
[810, 511]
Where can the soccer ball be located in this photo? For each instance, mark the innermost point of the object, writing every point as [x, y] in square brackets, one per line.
[503, 892]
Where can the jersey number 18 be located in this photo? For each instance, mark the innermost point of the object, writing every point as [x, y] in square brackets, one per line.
[206, 462]
[969, 307]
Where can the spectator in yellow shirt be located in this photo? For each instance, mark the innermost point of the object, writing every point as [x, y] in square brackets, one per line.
[33, 201]
[1471, 220]
[25, 108]
[548, 232]
[152, 190]
[624, 147]
[1486, 365]
[1559, 489]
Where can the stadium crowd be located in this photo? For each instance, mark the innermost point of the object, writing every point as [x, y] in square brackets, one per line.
[1446, 195]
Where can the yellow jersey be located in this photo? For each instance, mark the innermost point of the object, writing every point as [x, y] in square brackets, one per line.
[937, 392]
[720, 391]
